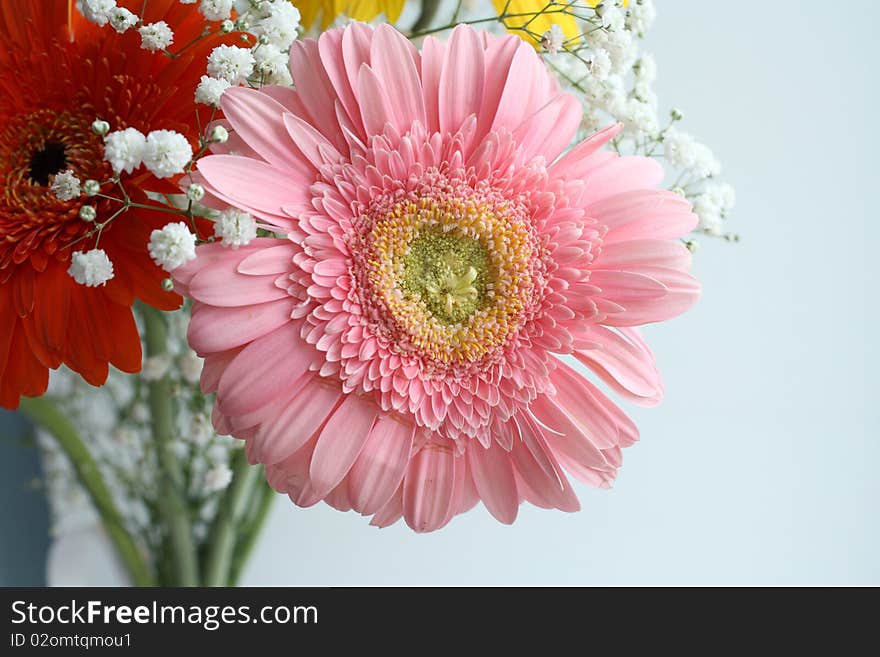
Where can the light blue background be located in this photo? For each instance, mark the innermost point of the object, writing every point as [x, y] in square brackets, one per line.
[761, 465]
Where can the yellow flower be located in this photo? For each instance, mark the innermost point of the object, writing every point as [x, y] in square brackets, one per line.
[360, 10]
[530, 19]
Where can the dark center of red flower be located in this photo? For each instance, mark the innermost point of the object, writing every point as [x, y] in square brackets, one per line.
[48, 161]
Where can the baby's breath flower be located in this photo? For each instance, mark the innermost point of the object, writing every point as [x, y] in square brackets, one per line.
[706, 165]
[600, 64]
[155, 367]
[641, 15]
[65, 185]
[217, 478]
[190, 367]
[279, 26]
[156, 36]
[272, 65]
[235, 228]
[209, 90]
[231, 63]
[679, 149]
[172, 246]
[612, 16]
[216, 10]
[121, 19]
[96, 11]
[166, 153]
[124, 149]
[553, 39]
[90, 268]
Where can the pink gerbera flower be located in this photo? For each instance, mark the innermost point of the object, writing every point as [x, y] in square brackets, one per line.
[396, 354]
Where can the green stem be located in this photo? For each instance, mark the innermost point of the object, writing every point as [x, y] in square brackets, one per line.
[43, 412]
[258, 511]
[172, 501]
[233, 508]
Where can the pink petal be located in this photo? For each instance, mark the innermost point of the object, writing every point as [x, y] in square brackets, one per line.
[428, 488]
[311, 143]
[392, 61]
[376, 108]
[379, 469]
[625, 362]
[550, 130]
[314, 88]
[220, 285]
[305, 412]
[214, 329]
[433, 52]
[461, 80]
[254, 186]
[632, 254]
[268, 363]
[341, 441]
[269, 261]
[493, 477]
[621, 174]
[256, 118]
[391, 512]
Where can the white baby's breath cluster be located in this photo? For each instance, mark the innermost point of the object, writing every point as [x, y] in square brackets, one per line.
[235, 228]
[606, 68]
[164, 153]
[269, 28]
[154, 36]
[118, 422]
[172, 245]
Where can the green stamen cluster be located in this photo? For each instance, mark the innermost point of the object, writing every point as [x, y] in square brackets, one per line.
[449, 273]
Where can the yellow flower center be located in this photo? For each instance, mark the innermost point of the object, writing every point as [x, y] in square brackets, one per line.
[453, 274]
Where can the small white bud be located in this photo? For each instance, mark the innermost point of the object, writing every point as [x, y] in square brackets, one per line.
[88, 213]
[195, 192]
[100, 127]
[227, 26]
[167, 284]
[91, 187]
[219, 135]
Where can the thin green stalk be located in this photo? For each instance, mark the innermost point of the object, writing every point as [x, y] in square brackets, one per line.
[259, 507]
[233, 508]
[172, 502]
[43, 412]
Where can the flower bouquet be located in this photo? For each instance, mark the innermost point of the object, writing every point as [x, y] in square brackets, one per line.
[254, 245]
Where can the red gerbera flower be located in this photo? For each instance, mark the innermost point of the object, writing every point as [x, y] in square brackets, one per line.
[58, 73]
